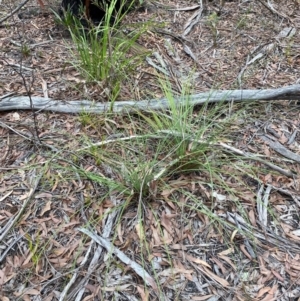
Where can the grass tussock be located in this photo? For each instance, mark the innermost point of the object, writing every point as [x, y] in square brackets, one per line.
[103, 53]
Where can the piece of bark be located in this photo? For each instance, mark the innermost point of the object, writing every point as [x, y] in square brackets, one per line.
[279, 148]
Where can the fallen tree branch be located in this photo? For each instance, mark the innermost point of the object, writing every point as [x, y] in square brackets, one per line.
[44, 104]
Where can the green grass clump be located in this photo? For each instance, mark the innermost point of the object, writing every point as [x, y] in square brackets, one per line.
[103, 53]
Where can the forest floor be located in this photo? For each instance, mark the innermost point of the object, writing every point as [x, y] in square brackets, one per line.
[227, 231]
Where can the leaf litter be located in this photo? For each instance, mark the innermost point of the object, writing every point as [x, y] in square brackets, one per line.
[237, 242]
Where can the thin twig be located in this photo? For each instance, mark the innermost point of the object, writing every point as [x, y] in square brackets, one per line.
[112, 249]
[10, 247]
[79, 290]
[14, 11]
[102, 143]
[40, 143]
[13, 221]
[76, 272]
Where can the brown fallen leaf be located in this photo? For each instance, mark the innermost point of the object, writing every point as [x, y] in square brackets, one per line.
[144, 294]
[219, 264]
[201, 298]
[196, 260]
[226, 252]
[228, 260]
[30, 291]
[277, 275]
[46, 208]
[215, 277]
[263, 291]
[243, 248]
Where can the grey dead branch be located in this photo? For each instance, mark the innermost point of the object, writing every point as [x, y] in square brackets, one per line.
[44, 104]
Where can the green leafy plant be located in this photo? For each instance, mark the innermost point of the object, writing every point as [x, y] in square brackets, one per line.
[25, 50]
[35, 249]
[212, 22]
